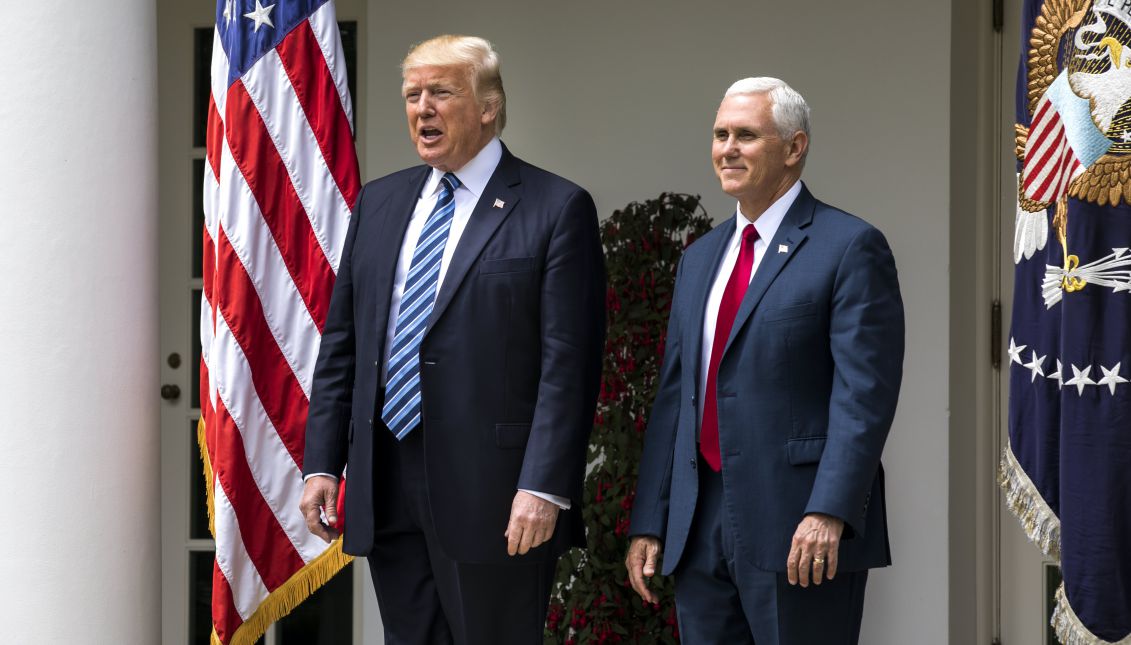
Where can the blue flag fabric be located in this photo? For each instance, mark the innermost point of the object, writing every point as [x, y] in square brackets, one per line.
[1067, 469]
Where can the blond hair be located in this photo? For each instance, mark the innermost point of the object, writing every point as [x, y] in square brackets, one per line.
[472, 52]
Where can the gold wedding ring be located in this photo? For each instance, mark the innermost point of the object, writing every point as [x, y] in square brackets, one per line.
[818, 560]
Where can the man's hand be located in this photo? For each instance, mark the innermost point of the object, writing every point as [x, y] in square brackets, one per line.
[816, 543]
[641, 563]
[531, 524]
[320, 493]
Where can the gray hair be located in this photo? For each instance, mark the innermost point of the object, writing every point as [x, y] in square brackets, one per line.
[791, 112]
[478, 55]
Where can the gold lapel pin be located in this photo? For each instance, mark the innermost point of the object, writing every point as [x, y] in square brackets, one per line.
[499, 203]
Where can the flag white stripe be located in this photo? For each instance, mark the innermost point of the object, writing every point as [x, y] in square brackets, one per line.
[1053, 137]
[271, 465]
[1045, 170]
[248, 590]
[324, 24]
[274, 97]
[219, 72]
[207, 338]
[283, 306]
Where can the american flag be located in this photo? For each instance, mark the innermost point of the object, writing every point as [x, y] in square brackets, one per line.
[283, 178]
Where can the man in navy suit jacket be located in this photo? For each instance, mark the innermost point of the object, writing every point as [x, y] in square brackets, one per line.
[761, 478]
[464, 512]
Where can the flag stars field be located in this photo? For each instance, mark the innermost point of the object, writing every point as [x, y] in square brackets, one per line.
[261, 15]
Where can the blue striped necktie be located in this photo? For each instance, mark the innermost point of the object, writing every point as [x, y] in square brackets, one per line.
[402, 390]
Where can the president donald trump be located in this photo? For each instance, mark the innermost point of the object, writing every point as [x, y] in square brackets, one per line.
[459, 368]
[760, 480]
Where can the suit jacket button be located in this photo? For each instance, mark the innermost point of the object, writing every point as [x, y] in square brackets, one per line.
[692, 462]
[371, 422]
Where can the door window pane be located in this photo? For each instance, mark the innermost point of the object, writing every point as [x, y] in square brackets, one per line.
[200, 597]
[197, 232]
[201, 83]
[325, 618]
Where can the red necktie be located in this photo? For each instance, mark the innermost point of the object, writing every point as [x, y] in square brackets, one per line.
[728, 309]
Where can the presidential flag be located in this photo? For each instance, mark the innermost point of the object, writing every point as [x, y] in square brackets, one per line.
[281, 179]
[1066, 470]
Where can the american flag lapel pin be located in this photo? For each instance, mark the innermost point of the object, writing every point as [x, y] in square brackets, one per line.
[499, 203]
[782, 248]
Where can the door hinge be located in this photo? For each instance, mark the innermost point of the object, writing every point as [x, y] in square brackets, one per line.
[995, 334]
[999, 15]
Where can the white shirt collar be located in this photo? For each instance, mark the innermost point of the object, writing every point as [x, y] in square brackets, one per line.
[767, 224]
[475, 174]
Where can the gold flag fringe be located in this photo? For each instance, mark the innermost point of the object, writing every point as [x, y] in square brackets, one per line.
[202, 443]
[1069, 629]
[1021, 495]
[291, 593]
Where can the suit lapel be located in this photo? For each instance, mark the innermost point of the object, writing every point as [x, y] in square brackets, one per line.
[701, 290]
[485, 219]
[790, 235]
[385, 245]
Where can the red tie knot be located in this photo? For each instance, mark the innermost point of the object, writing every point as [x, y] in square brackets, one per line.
[749, 234]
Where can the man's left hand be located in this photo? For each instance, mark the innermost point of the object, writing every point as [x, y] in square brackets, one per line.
[816, 543]
[531, 524]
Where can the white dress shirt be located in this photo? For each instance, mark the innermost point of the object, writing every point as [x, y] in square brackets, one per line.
[473, 177]
[767, 226]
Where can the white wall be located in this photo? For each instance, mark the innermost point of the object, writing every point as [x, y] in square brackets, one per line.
[79, 556]
[620, 96]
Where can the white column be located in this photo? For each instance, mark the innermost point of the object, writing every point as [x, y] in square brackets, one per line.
[80, 550]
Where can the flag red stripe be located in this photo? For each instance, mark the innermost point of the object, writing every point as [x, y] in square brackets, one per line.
[1053, 178]
[1039, 116]
[274, 382]
[267, 544]
[208, 271]
[224, 615]
[1053, 131]
[318, 96]
[214, 134]
[1066, 176]
[259, 162]
[1044, 126]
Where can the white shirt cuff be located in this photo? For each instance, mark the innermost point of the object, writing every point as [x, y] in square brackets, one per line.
[307, 478]
[560, 502]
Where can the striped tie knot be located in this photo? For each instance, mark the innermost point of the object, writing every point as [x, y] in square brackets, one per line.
[402, 408]
[450, 182]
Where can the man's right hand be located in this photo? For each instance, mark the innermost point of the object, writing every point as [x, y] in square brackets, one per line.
[320, 493]
[643, 551]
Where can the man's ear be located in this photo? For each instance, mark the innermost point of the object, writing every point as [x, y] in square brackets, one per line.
[797, 147]
[490, 113]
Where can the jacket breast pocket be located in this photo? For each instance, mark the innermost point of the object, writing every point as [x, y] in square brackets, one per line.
[805, 450]
[506, 265]
[512, 435]
[791, 312]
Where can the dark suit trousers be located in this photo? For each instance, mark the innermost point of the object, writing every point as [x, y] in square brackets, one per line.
[425, 597]
[719, 600]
